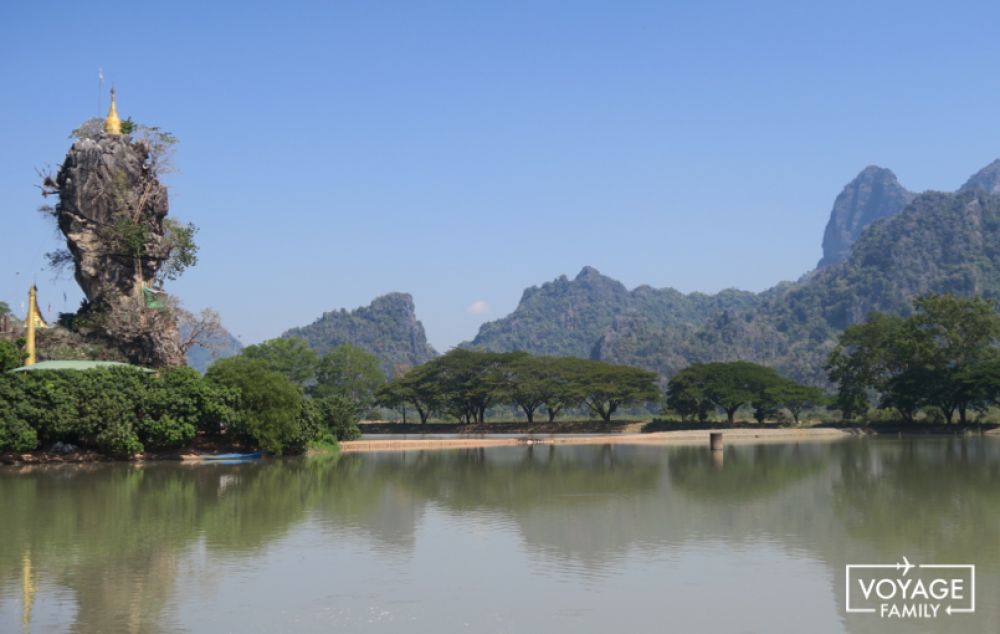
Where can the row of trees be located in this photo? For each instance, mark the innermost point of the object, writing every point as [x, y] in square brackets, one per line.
[697, 390]
[464, 384]
[944, 356]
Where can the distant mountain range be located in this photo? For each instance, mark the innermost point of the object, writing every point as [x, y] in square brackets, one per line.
[883, 246]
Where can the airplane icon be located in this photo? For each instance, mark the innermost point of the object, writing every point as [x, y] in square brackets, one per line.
[905, 566]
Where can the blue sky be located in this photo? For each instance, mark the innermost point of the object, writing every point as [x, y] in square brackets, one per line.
[462, 151]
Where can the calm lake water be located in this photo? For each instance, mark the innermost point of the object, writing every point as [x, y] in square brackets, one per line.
[509, 539]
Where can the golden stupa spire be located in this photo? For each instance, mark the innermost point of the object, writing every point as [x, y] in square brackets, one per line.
[112, 124]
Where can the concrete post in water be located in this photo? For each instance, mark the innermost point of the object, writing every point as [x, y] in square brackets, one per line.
[715, 440]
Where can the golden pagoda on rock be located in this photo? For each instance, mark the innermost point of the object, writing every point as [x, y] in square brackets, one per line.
[112, 124]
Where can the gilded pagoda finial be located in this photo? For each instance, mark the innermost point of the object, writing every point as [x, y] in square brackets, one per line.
[112, 124]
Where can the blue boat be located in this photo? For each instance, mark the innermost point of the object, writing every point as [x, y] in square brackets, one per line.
[229, 458]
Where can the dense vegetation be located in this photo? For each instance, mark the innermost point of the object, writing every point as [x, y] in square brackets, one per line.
[698, 389]
[943, 357]
[278, 396]
[464, 384]
[117, 411]
[388, 328]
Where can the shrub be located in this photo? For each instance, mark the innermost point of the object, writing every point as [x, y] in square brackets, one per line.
[10, 356]
[270, 411]
[117, 411]
[15, 433]
[181, 403]
[339, 415]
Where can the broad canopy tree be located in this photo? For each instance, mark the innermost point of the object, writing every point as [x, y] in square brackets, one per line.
[945, 355]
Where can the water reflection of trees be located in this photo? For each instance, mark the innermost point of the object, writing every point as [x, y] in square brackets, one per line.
[746, 473]
[936, 497]
[117, 536]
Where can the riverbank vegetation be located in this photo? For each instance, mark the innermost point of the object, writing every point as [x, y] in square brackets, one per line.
[278, 397]
[941, 364]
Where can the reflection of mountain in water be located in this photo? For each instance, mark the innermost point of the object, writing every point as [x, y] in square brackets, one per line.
[116, 535]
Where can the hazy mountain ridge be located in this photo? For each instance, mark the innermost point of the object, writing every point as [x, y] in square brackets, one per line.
[388, 328]
[567, 317]
[940, 243]
[937, 242]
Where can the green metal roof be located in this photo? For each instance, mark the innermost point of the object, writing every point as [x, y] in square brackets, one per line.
[76, 365]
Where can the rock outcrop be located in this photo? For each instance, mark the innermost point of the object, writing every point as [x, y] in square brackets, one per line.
[985, 180]
[112, 210]
[388, 328]
[874, 194]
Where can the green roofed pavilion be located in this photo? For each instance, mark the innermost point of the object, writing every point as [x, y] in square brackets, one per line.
[76, 365]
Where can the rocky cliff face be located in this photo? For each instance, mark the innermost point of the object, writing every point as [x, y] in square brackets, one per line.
[388, 328]
[875, 193]
[112, 211]
[985, 180]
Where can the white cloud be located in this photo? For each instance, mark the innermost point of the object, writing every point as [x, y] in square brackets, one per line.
[478, 307]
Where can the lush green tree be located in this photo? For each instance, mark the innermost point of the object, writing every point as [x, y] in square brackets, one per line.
[796, 398]
[289, 356]
[269, 407]
[727, 386]
[393, 395]
[350, 372]
[179, 403]
[470, 381]
[11, 356]
[922, 360]
[981, 382]
[4, 309]
[418, 387]
[953, 333]
[686, 393]
[866, 357]
[732, 385]
[604, 387]
[529, 383]
[15, 432]
[562, 389]
[340, 415]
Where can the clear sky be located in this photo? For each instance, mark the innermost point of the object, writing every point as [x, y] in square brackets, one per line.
[461, 151]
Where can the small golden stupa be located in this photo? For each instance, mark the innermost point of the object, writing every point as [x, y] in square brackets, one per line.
[112, 124]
